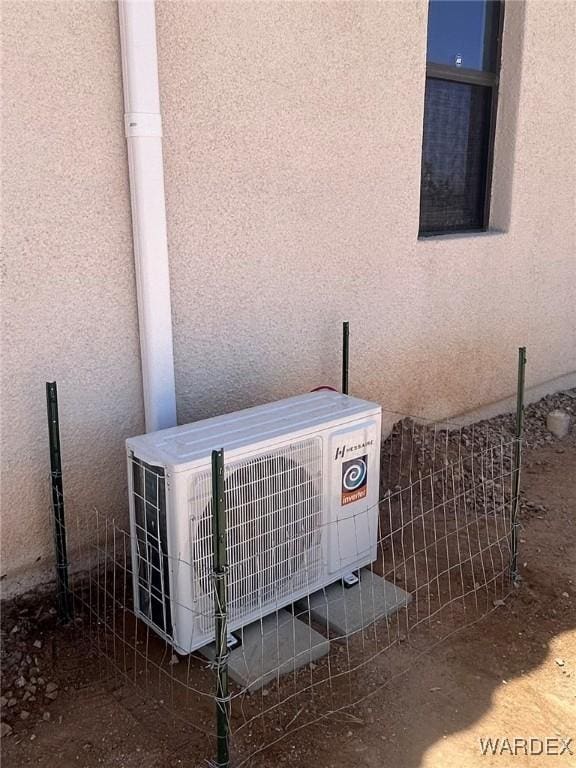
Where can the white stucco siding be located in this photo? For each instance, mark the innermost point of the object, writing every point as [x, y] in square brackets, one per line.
[68, 307]
[292, 144]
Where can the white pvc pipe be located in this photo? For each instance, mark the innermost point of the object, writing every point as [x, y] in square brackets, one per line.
[144, 139]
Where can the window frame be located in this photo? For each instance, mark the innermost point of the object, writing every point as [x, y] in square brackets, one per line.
[487, 79]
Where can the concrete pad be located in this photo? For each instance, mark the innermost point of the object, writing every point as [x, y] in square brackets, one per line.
[275, 646]
[344, 611]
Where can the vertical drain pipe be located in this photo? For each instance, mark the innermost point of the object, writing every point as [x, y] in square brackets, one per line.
[145, 166]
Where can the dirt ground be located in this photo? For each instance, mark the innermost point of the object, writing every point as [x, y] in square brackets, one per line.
[513, 675]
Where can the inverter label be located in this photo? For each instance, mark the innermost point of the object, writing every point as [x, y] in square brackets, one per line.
[354, 479]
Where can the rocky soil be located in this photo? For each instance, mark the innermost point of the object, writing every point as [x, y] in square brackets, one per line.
[536, 434]
[27, 658]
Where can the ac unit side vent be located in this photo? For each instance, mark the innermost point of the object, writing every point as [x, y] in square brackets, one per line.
[274, 524]
[152, 565]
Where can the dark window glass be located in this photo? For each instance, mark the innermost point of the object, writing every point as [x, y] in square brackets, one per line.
[459, 114]
[461, 33]
[454, 156]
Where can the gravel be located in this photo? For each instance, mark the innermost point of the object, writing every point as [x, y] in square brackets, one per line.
[536, 433]
[25, 664]
[477, 458]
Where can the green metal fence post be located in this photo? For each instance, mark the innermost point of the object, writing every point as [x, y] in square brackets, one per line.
[345, 356]
[220, 572]
[517, 460]
[62, 593]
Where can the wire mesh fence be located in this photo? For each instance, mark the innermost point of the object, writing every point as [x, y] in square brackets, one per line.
[300, 647]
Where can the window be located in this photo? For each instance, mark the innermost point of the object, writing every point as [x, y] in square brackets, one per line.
[463, 62]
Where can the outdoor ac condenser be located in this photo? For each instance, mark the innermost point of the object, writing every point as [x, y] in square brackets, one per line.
[301, 482]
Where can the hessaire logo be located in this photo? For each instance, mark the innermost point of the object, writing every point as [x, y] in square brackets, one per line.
[354, 479]
[342, 450]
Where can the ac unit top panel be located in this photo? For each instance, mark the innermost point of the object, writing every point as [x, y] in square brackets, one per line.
[183, 447]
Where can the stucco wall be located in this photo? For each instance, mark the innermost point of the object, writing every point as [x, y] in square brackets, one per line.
[292, 139]
[68, 310]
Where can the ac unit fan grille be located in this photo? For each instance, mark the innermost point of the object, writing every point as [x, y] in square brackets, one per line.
[274, 515]
[151, 545]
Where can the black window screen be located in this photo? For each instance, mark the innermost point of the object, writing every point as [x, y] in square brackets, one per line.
[454, 156]
[459, 115]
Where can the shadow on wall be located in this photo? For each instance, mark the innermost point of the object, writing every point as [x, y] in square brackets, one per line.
[249, 371]
[435, 381]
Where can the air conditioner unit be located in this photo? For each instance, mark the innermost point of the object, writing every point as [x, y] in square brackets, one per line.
[301, 482]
